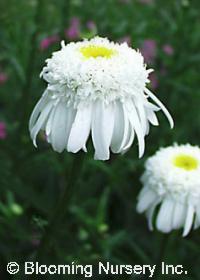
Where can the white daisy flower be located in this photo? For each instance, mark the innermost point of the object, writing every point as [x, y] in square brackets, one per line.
[95, 86]
[172, 179]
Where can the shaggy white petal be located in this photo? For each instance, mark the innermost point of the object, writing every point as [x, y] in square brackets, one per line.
[148, 105]
[179, 215]
[134, 120]
[146, 200]
[118, 130]
[130, 138]
[126, 132]
[102, 129]
[40, 121]
[50, 121]
[165, 216]
[162, 107]
[189, 220]
[152, 117]
[38, 108]
[59, 133]
[139, 105]
[150, 214]
[80, 129]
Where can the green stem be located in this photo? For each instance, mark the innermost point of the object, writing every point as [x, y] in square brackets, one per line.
[161, 254]
[61, 209]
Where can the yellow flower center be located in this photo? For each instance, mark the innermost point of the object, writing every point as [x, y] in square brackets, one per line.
[97, 51]
[186, 162]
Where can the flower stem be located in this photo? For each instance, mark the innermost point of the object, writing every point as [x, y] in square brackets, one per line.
[161, 254]
[61, 209]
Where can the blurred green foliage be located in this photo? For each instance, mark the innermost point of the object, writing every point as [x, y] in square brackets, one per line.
[101, 223]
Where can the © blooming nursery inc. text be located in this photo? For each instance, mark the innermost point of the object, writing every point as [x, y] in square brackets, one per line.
[89, 270]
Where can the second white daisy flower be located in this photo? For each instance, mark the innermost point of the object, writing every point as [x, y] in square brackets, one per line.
[172, 180]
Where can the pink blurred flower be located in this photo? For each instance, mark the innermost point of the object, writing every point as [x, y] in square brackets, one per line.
[125, 39]
[91, 25]
[75, 21]
[154, 80]
[3, 133]
[46, 42]
[168, 49]
[149, 50]
[3, 78]
[73, 32]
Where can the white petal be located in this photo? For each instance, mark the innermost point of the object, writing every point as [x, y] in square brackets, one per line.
[40, 122]
[179, 215]
[126, 132]
[151, 106]
[150, 214]
[118, 131]
[189, 220]
[102, 129]
[123, 133]
[130, 139]
[165, 216]
[139, 104]
[146, 200]
[134, 120]
[60, 127]
[152, 118]
[162, 107]
[80, 129]
[50, 121]
[38, 108]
